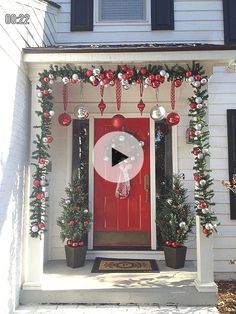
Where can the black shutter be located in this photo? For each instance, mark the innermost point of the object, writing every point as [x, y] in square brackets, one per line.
[229, 7]
[162, 14]
[81, 15]
[231, 121]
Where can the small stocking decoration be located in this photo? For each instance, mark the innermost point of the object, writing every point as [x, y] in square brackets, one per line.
[64, 119]
[123, 184]
[102, 105]
[172, 118]
[141, 104]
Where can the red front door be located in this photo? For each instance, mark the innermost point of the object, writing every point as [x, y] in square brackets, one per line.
[123, 222]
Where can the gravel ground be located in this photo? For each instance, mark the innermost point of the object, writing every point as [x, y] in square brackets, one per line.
[226, 296]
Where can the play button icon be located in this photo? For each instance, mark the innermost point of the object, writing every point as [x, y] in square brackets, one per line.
[118, 155]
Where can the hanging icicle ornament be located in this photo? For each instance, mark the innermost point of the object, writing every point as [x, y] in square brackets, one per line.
[64, 118]
[141, 104]
[157, 112]
[118, 94]
[102, 105]
[172, 118]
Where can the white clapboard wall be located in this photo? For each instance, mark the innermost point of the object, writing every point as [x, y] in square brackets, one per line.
[196, 21]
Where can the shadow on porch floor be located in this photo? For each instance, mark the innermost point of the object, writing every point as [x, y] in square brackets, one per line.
[58, 276]
[61, 285]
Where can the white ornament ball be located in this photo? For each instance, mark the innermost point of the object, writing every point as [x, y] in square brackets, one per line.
[45, 139]
[51, 112]
[199, 106]
[43, 177]
[35, 228]
[197, 84]
[141, 143]
[203, 81]
[75, 76]
[67, 201]
[86, 211]
[197, 133]
[167, 75]
[92, 78]
[96, 72]
[208, 226]
[46, 161]
[182, 224]
[198, 100]
[147, 81]
[202, 182]
[198, 127]
[40, 95]
[42, 182]
[51, 76]
[51, 82]
[50, 90]
[206, 150]
[169, 201]
[205, 211]
[65, 80]
[200, 156]
[126, 87]
[191, 79]
[162, 72]
[119, 75]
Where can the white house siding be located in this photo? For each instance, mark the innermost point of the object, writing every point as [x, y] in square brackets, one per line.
[14, 137]
[195, 22]
[222, 96]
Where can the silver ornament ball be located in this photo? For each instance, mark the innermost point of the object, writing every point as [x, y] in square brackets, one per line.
[158, 113]
[81, 112]
[198, 100]
[35, 228]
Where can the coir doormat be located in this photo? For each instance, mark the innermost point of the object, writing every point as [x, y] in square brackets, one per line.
[115, 265]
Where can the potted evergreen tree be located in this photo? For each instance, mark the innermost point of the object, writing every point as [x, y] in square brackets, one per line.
[174, 220]
[75, 221]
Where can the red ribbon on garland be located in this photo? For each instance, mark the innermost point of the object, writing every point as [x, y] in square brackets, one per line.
[118, 94]
[65, 96]
[172, 95]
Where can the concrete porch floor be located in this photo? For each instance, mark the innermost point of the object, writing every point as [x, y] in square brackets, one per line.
[62, 284]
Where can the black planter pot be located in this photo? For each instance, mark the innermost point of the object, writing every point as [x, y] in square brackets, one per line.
[175, 257]
[75, 256]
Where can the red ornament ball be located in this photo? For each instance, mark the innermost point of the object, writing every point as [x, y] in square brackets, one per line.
[74, 244]
[196, 151]
[130, 72]
[81, 243]
[197, 178]
[46, 79]
[73, 81]
[151, 77]
[155, 84]
[110, 75]
[168, 243]
[64, 119]
[36, 182]
[86, 222]
[203, 205]
[118, 121]
[45, 92]
[50, 138]
[69, 242]
[124, 68]
[197, 77]
[188, 74]
[95, 82]
[89, 73]
[143, 70]
[41, 225]
[177, 83]
[175, 244]
[173, 118]
[72, 222]
[191, 133]
[39, 196]
[46, 115]
[205, 231]
[193, 105]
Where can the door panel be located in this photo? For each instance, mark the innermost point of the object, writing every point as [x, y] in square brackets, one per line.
[123, 222]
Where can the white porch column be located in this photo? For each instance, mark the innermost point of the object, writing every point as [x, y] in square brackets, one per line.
[205, 268]
[33, 247]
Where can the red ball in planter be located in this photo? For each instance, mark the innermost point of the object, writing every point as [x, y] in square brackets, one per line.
[118, 121]
[173, 118]
[64, 119]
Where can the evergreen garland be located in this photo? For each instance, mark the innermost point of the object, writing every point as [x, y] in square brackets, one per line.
[151, 76]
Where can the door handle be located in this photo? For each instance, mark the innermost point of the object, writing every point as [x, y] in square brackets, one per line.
[146, 182]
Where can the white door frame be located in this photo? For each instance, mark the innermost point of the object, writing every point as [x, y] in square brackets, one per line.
[152, 173]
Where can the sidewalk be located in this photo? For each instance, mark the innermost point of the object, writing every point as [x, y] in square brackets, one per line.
[112, 309]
